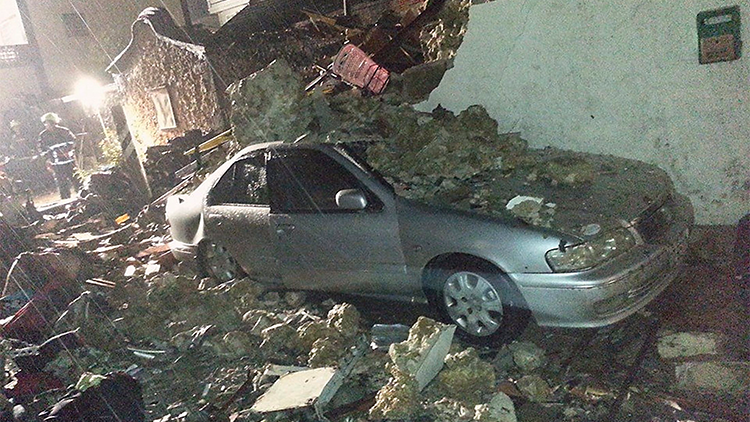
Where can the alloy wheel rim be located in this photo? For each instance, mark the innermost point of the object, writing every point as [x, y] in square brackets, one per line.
[473, 303]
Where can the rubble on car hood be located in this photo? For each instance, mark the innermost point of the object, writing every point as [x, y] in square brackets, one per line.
[458, 161]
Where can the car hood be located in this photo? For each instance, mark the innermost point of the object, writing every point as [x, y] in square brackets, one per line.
[577, 194]
[586, 193]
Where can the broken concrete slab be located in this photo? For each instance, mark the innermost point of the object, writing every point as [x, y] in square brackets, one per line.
[687, 344]
[297, 390]
[719, 377]
[421, 355]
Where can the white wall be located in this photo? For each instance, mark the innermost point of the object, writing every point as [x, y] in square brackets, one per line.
[614, 77]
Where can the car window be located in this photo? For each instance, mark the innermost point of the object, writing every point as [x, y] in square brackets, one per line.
[308, 181]
[244, 183]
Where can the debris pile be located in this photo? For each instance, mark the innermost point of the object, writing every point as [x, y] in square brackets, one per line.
[99, 307]
[458, 161]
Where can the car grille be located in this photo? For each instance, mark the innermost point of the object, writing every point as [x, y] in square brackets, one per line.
[652, 225]
[649, 276]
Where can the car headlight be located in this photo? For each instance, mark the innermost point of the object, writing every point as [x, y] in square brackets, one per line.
[592, 252]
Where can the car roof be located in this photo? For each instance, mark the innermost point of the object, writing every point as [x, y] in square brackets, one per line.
[254, 147]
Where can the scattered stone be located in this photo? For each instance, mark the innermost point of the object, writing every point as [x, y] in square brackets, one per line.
[722, 377]
[397, 400]
[527, 356]
[279, 336]
[271, 300]
[421, 355]
[258, 320]
[328, 351]
[499, 409]
[191, 338]
[295, 299]
[344, 318]
[450, 410]
[687, 344]
[466, 377]
[236, 344]
[531, 210]
[569, 171]
[535, 388]
[246, 292]
[311, 331]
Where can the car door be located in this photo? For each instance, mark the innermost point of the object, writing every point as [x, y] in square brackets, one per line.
[322, 246]
[237, 216]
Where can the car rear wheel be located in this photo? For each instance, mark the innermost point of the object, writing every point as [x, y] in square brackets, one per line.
[480, 300]
[216, 261]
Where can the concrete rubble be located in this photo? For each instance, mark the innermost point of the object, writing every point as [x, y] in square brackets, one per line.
[200, 347]
[421, 356]
[720, 377]
[680, 345]
[109, 298]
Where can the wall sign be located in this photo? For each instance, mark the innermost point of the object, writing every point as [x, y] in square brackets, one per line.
[719, 35]
[163, 105]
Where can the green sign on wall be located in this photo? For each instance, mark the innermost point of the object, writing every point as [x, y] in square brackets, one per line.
[719, 35]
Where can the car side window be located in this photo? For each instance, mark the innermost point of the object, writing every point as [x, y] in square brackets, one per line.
[244, 183]
[306, 181]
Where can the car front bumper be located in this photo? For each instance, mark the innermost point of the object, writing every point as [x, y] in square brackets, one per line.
[185, 252]
[613, 291]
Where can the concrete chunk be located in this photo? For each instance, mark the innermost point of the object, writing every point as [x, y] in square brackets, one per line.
[723, 377]
[499, 409]
[295, 390]
[687, 344]
[527, 356]
[422, 354]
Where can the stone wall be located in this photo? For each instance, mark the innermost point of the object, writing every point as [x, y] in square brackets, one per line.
[186, 74]
[68, 57]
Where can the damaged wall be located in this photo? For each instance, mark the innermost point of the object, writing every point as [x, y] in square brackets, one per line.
[622, 79]
[184, 71]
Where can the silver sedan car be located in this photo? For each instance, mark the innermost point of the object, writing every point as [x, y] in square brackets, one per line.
[316, 217]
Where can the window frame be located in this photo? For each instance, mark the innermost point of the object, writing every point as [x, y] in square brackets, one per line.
[231, 172]
[374, 203]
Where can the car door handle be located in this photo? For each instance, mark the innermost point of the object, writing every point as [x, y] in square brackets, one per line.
[284, 228]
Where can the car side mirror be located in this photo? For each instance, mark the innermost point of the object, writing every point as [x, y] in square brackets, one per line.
[351, 199]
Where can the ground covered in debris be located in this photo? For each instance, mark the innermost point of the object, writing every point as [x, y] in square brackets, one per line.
[99, 300]
[207, 351]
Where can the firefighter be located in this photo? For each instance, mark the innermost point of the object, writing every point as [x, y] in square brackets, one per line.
[57, 143]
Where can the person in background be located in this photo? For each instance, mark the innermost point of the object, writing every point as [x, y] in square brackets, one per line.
[58, 143]
[19, 146]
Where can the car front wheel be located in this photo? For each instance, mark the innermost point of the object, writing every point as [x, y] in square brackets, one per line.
[216, 261]
[480, 300]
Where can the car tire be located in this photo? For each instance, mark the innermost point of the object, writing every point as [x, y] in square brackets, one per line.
[480, 300]
[214, 260]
